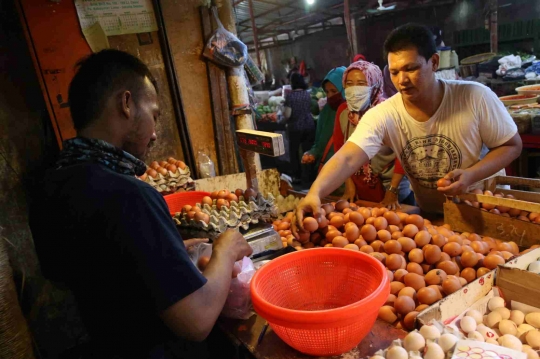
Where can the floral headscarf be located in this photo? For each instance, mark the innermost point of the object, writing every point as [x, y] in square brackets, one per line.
[373, 76]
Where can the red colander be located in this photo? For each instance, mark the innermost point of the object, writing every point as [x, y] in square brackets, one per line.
[321, 301]
[176, 201]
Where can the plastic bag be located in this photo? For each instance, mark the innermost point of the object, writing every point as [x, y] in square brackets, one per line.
[206, 165]
[224, 48]
[238, 304]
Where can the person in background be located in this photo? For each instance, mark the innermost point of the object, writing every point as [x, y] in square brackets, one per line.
[300, 123]
[437, 36]
[323, 148]
[389, 89]
[109, 237]
[362, 82]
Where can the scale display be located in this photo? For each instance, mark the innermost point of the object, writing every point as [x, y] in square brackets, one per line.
[265, 143]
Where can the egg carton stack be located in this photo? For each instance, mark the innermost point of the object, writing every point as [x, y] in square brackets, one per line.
[286, 204]
[239, 215]
[172, 182]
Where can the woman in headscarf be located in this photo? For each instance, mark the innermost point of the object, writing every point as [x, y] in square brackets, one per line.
[322, 149]
[382, 180]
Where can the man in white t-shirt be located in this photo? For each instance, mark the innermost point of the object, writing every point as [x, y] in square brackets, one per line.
[436, 127]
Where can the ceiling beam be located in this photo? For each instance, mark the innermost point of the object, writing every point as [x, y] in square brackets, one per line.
[277, 8]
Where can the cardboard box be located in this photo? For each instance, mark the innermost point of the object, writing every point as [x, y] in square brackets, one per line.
[517, 283]
[470, 297]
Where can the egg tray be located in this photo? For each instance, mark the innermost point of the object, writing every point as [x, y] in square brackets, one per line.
[286, 204]
[172, 182]
[239, 215]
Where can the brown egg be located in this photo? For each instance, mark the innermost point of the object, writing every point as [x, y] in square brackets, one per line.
[368, 232]
[311, 224]
[341, 205]
[504, 246]
[432, 254]
[416, 220]
[346, 211]
[392, 218]
[392, 228]
[356, 218]
[196, 209]
[231, 197]
[456, 238]
[162, 171]
[365, 212]
[191, 214]
[402, 217]
[384, 236]
[400, 274]
[404, 305]
[491, 261]
[514, 212]
[315, 238]
[371, 220]
[331, 234]
[410, 230]
[469, 274]
[395, 287]
[163, 163]
[388, 314]
[415, 268]
[360, 242]
[480, 247]
[482, 271]
[449, 267]
[187, 208]
[366, 249]
[250, 192]
[201, 216]
[152, 173]
[435, 277]
[469, 259]
[409, 321]
[407, 244]
[452, 249]
[427, 296]
[394, 261]
[445, 257]
[421, 307]
[352, 232]
[378, 246]
[416, 255]
[339, 241]
[438, 240]
[143, 177]
[328, 208]
[427, 267]
[451, 285]
[515, 248]
[154, 165]
[380, 223]
[415, 280]
[375, 212]
[408, 292]
[392, 246]
[337, 221]
[380, 257]
[207, 200]
[303, 237]
[397, 235]
[421, 238]
[283, 226]
[323, 223]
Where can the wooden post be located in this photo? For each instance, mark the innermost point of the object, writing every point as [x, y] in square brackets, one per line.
[493, 26]
[254, 30]
[239, 98]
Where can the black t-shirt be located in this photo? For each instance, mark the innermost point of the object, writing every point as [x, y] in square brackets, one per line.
[110, 238]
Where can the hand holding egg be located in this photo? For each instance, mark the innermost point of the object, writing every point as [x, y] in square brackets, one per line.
[461, 181]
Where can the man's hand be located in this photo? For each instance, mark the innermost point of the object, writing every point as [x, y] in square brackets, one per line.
[234, 244]
[390, 201]
[462, 179]
[309, 204]
[350, 190]
[190, 243]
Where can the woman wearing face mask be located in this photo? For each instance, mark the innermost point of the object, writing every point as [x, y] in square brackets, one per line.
[322, 149]
[382, 180]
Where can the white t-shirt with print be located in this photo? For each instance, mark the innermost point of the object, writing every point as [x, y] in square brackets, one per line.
[470, 115]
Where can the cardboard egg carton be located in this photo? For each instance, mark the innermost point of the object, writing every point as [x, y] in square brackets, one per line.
[172, 182]
[239, 215]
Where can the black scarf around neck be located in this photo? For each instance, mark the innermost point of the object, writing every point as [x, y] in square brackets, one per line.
[83, 150]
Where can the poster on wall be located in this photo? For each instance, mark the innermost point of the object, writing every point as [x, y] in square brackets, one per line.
[117, 17]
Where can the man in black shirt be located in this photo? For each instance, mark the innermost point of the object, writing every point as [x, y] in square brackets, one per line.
[109, 237]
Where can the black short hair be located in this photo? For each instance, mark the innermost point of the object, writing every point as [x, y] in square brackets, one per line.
[297, 81]
[98, 77]
[411, 36]
[437, 35]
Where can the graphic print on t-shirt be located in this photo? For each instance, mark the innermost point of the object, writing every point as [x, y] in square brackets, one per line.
[429, 158]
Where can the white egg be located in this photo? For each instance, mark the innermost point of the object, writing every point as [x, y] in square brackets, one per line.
[504, 312]
[415, 355]
[476, 336]
[447, 342]
[495, 302]
[377, 357]
[476, 315]
[414, 341]
[493, 319]
[433, 351]
[524, 328]
[534, 267]
[486, 332]
[430, 332]
[517, 317]
[468, 324]
[396, 352]
[531, 353]
[533, 338]
[508, 327]
[511, 342]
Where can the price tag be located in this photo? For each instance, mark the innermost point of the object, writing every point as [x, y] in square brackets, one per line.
[265, 143]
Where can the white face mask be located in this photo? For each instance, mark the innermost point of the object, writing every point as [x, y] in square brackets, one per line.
[358, 98]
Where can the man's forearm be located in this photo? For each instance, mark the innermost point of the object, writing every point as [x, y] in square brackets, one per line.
[494, 161]
[340, 167]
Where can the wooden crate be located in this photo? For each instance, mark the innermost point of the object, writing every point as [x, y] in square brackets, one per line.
[464, 218]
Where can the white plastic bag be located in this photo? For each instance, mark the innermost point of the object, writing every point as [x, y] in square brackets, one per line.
[238, 304]
[206, 166]
[224, 48]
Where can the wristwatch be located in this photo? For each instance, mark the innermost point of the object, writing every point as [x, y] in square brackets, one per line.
[393, 189]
